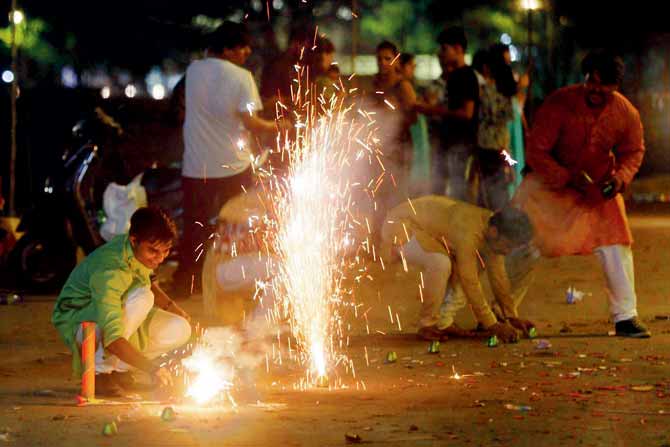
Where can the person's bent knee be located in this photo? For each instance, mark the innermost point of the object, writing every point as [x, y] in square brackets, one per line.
[141, 298]
[180, 330]
[439, 263]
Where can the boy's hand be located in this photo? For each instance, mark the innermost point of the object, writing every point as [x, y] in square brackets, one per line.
[163, 377]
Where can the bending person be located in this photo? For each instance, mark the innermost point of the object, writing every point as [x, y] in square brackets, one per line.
[452, 242]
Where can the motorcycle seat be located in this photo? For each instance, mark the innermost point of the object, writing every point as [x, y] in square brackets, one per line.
[161, 180]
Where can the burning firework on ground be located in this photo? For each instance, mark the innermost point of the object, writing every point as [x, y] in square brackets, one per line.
[316, 214]
[220, 364]
[210, 370]
[316, 208]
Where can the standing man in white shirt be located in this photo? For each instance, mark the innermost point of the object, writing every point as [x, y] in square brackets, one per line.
[221, 104]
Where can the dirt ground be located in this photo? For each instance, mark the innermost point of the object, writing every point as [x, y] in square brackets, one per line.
[587, 389]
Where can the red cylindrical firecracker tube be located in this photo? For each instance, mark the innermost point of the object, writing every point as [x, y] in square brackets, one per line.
[88, 361]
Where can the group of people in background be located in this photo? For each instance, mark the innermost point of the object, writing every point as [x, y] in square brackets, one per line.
[459, 143]
[447, 137]
[451, 136]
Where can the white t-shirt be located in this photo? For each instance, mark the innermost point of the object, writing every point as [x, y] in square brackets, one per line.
[216, 90]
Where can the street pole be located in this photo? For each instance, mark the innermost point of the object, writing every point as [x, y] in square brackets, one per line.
[13, 95]
[354, 34]
[529, 93]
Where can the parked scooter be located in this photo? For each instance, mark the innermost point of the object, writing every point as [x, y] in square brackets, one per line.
[68, 212]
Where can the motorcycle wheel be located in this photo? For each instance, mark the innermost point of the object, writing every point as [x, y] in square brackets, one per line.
[42, 265]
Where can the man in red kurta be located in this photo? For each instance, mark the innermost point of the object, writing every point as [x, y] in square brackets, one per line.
[585, 147]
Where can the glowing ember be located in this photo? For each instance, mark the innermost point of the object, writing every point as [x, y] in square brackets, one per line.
[210, 381]
[318, 359]
[210, 368]
[508, 158]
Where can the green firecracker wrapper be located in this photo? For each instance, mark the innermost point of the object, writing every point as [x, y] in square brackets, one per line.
[492, 342]
[391, 357]
[168, 414]
[434, 347]
[110, 429]
[532, 333]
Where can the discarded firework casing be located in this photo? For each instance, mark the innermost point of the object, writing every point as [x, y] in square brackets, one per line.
[532, 333]
[168, 414]
[352, 438]
[492, 342]
[542, 344]
[434, 347]
[518, 407]
[110, 429]
[573, 296]
[391, 357]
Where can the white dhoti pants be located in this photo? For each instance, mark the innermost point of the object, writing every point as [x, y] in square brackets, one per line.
[617, 264]
[167, 331]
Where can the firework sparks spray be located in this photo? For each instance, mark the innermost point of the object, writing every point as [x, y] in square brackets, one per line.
[317, 222]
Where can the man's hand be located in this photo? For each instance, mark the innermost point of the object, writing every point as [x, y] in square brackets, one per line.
[522, 325]
[163, 377]
[504, 332]
[610, 188]
[591, 193]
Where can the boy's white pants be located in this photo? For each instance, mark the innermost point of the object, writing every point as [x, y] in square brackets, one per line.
[167, 331]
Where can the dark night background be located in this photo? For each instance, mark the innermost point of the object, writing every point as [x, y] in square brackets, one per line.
[125, 39]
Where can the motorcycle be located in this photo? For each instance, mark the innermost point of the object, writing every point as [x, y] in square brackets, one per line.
[68, 214]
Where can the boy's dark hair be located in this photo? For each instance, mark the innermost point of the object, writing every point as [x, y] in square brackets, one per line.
[229, 35]
[405, 58]
[513, 224]
[387, 45]
[152, 224]
[609, 66]
[454, 35]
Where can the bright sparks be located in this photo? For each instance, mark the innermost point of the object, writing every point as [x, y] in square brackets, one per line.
[315, 206]
[210, 369]
[455, 376]
[311, 217]
[209, 381]
[508, 158]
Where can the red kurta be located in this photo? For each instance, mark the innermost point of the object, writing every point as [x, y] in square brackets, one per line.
[569, 137]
